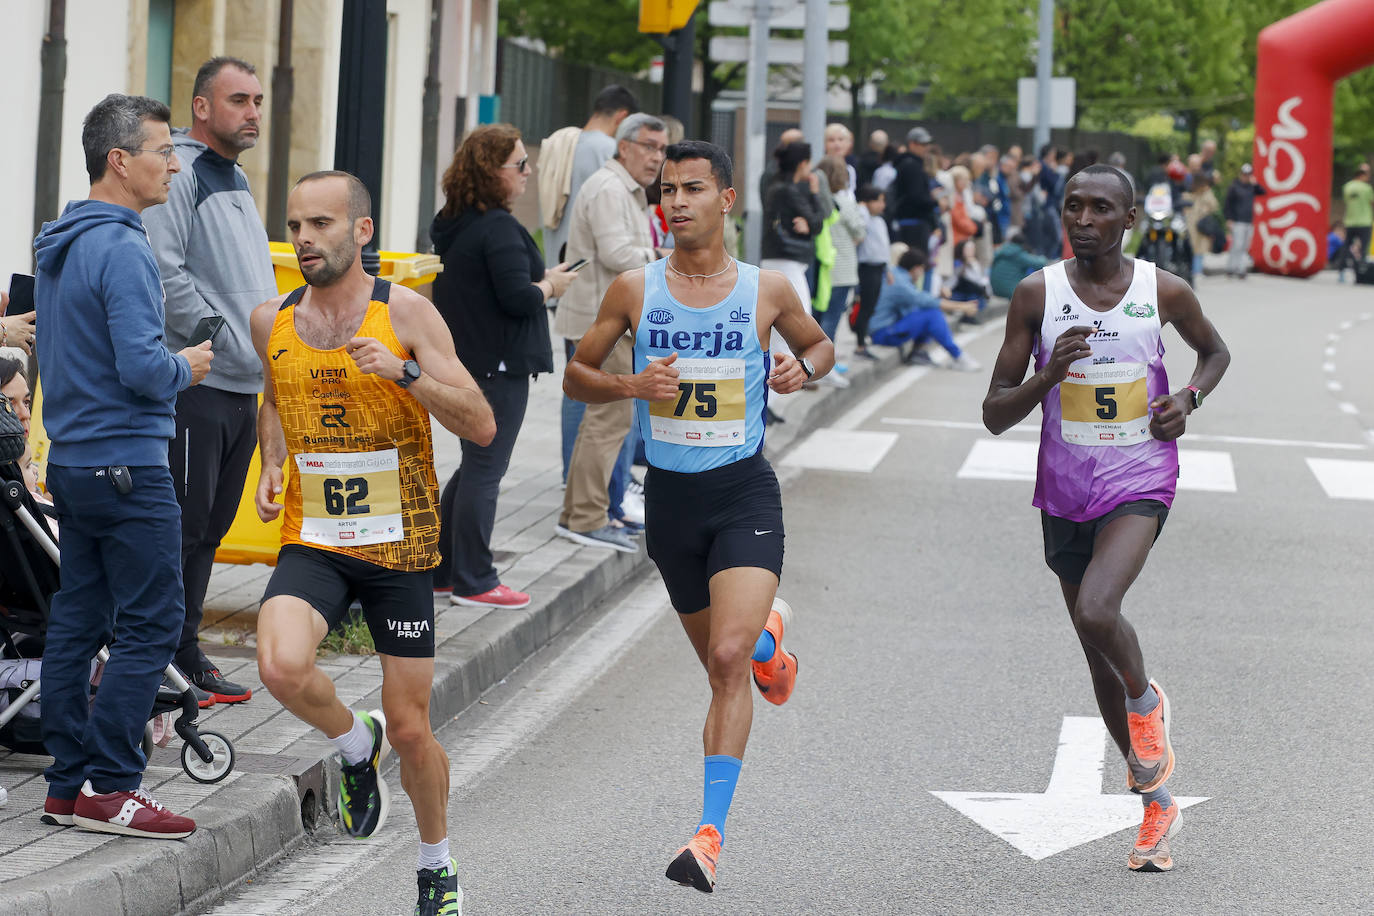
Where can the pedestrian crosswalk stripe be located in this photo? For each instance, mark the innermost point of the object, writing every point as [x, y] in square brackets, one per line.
[1344, 479]
[998, 459]
[1001, 459]
[841, 450]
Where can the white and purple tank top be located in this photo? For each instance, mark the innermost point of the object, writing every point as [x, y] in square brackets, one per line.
[1096, 451]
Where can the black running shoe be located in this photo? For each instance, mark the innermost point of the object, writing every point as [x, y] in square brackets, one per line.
[215, 684]
[440, 894]
[363, 797]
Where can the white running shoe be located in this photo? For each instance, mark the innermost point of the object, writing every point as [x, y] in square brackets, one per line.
[966, 363]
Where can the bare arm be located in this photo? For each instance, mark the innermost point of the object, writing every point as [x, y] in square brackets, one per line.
[1011, 396]
[799, 329]
[271, 439]
[1178, 306]
[445, 387]
[585, 380]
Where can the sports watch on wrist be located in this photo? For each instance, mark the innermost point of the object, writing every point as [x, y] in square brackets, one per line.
[1197, 395]
[410, 371]
[807, 367]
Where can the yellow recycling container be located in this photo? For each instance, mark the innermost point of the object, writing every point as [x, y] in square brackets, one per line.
[250, 540]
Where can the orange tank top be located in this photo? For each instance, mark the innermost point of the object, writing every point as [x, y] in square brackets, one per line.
[360, 452]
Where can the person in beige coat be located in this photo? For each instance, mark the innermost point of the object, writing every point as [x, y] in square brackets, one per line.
[610, 230]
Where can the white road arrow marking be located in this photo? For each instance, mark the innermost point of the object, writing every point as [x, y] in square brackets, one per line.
[1071, 811]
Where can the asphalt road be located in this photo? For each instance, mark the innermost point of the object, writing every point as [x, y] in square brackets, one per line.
[936, 655]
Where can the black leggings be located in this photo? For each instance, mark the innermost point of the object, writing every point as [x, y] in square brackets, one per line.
[870, 287]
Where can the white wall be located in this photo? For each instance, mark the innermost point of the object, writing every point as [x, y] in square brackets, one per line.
[25, 24]
[97, 64]
[405, 114]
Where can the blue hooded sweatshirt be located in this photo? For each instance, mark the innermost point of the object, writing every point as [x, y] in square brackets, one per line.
[109, 382]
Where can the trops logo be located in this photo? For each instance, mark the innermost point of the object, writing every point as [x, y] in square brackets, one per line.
[1139, 311]
[660, 316]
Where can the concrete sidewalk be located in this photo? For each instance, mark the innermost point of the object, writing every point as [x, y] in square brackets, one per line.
[284, 773]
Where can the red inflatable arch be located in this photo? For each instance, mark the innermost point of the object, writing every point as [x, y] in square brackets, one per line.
[1300, 59]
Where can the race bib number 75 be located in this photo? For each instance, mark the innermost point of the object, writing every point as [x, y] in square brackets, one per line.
[1105, 405]
[709, 406]
[350, 498]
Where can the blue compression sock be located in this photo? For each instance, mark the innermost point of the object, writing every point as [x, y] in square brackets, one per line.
[764, 648]
[722, 772]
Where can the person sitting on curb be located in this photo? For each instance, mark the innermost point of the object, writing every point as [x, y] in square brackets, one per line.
[1013, 262]
[906, 312]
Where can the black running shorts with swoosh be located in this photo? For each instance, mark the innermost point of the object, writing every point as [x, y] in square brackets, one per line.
[698, 524]
[398, 605]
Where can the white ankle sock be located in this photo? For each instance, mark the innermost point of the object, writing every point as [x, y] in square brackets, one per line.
[356, 743]
[434, 856]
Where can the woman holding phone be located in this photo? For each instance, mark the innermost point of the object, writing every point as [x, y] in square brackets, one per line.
[17, 329]
[492, 293]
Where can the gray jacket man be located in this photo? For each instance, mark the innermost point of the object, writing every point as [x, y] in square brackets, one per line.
[610, 228]
[212, 253]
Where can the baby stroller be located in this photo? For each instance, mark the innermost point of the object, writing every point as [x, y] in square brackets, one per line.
[28, 578]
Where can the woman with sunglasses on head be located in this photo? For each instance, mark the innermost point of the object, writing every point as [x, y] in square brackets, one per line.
[492, 293]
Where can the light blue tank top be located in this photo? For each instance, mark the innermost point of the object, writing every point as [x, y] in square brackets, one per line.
[717, 417]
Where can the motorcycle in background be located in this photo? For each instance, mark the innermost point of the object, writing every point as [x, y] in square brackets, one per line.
[1164, 235]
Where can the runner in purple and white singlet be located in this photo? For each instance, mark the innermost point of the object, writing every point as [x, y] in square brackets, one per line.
[1108, 461]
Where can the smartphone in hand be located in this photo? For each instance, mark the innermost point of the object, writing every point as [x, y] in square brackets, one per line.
[21, 295]
[206, 329]
[578, 264]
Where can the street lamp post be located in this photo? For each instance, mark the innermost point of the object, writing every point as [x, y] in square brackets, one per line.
[358, 136]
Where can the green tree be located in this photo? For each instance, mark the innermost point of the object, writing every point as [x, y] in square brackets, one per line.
[600, 32]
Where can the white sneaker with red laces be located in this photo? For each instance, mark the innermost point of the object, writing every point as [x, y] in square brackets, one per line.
[133, 813]
[500, 596]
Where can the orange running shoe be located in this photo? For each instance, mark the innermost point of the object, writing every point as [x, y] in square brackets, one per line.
[777, 676]
[1151, 852]
[1151, 759]
[696, 862]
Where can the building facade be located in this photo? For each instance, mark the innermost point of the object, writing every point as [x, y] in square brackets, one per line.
[154, 47]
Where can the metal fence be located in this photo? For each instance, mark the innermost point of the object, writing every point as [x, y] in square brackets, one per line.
[540, 94]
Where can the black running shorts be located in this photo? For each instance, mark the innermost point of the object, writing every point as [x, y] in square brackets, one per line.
[698, 524]
[1069, 545]
[398, 606]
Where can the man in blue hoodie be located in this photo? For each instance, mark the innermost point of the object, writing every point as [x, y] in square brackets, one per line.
[110, 386]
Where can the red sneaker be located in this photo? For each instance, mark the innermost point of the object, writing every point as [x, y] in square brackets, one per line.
[1151, 851]
[133, 813]
[695, 864]
[501, 596]
[57, 812]
[777, 676]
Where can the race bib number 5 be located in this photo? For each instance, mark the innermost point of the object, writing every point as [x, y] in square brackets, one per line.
[1105, 405]
[709, 407]
[350, 498]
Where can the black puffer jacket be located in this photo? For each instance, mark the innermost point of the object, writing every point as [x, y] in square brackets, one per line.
[784, 201]
[486, 293]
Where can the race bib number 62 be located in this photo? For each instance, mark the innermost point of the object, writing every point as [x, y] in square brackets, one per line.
[350, 498]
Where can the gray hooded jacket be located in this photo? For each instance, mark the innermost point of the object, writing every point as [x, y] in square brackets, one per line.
[212, 252]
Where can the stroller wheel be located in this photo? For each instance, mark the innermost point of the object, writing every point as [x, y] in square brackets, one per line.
[218, 768]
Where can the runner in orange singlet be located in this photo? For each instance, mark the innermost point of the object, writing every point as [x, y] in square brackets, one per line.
[354, 366]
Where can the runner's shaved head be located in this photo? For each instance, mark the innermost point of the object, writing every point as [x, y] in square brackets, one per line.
[1127, 188]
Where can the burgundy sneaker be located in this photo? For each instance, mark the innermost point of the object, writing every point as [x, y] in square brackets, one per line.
[501, 596]
[57, 812]
[133, 813]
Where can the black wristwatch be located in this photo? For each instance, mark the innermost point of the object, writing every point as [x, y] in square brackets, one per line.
[1196, 393]
[410, 371]
[807, 367]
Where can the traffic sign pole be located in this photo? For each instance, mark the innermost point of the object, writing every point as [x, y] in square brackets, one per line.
[813, 76]
[756, 89]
